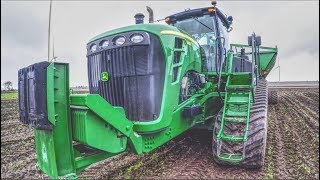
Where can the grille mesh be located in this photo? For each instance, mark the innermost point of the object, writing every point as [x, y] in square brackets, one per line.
[136, 77]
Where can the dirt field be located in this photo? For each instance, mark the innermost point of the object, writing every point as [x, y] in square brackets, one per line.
[292, 148]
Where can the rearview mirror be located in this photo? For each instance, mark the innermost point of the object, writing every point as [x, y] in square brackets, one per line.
[257, 40]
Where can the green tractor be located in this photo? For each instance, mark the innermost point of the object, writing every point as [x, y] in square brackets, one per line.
[148, 84]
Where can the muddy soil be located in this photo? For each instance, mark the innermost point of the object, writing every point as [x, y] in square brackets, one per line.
[292, 148]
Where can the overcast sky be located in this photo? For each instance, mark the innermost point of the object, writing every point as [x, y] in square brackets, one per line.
[293, 26]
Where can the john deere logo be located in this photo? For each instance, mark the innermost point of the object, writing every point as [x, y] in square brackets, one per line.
[104, 76]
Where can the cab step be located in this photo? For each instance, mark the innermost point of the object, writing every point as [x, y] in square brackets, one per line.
[236, 119]
[232, 138]
[232, 158]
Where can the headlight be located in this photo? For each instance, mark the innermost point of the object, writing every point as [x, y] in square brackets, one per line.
[136, 38]
[105, 44]
[120, 40]
[93, 48]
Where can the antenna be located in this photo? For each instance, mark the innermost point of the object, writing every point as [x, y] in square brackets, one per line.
[54, 57]
[49, 28]
[279, 68]
[53, 48]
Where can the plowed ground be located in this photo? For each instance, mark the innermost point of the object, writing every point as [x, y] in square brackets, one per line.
[292, 148]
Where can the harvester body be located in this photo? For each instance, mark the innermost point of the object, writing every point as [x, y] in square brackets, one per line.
[144, 93]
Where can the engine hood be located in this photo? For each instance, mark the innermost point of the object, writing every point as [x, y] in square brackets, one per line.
[157, 29]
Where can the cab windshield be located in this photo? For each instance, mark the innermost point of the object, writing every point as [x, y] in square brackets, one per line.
[202, 30]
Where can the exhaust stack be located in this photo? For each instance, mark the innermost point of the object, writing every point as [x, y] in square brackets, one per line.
[150, 11]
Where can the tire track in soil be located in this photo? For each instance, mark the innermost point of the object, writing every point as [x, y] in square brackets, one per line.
[299, 109]
[269, 166]
[118, 168]
[305, 97]
[312, 104]
[192, 159]
[297, 150]
[279, 156]
[194, 166]
[187, 162]
[286, 137]
[153, 163]
[312, 94]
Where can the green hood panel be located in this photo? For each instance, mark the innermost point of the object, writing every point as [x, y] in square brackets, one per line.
[152, 28]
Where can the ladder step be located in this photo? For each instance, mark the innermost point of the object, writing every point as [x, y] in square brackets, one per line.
[238, 86]
[241, 113]
[236, 119]
[237, 102]
[232, 138]
[241, 73]
[232, 158]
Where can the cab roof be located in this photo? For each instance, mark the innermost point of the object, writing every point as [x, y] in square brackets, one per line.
[197, 13]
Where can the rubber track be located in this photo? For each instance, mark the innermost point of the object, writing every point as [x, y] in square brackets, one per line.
[257, 135]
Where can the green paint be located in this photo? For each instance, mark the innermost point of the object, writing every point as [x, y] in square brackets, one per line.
[91, 130]
[152, 28]
[236, 109]
[104, 76]
[82, 162]
[54, 148]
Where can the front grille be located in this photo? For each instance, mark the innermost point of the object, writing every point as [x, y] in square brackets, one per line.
[136, 77]
[128, 63]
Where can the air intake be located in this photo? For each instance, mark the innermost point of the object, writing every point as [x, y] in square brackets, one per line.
[139, 18]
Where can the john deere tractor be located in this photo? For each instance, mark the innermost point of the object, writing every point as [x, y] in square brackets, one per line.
[148, 84]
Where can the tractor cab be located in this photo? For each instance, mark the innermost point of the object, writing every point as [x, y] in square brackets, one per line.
[209, 27]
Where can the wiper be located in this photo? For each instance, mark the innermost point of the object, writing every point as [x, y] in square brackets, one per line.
[202, 24]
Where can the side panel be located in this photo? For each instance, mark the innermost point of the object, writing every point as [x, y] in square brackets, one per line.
[44, 94]
[49, 143]
[176, 67]
[93, 131]
[267, 60]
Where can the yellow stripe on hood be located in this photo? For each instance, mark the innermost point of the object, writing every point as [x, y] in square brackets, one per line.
[181, 35]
